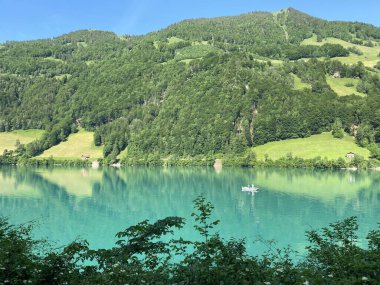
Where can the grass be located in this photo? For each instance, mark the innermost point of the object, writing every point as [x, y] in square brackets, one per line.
[62, 76]
[82, 44]
[123, 153]
[173, 40]
[8, 139]
[187, 61]
[11, 74]
[273, 61]
[340, 88]
[78, 144]
[323, 145]
[369, 57]
[298, 84]
[196, 43]
[195, 51]
[282, 24]
[54, 59]
[90, 62]
[276, 61]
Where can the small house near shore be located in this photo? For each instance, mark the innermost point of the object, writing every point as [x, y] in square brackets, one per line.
[350, 155]
[85, 157]
[337, 74]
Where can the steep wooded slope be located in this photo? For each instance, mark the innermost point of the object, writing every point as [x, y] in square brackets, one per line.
[198, 87]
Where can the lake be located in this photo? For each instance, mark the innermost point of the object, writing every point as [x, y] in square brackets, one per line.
[68, 203]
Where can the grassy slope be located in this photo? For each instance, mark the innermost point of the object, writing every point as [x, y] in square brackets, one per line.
[323, 145]
[8, 139]
[173, 40]
[123, 153]
[340, 88]
[369, 57]
[276, 61]
[197, 50]
[273, 61]
[81, 143]
[187, 61]
[194, 51]
[54, 59]
[298, 84]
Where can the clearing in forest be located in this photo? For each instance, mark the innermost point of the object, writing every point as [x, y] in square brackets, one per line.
[344, 86]
[76, 145]
[369, 57]
[298, 84]
[8, 139]
[323, 145]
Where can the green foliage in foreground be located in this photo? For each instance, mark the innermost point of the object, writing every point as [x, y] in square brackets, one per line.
[141, 256]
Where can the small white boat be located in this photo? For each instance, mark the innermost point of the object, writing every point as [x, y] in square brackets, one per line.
[250, 188]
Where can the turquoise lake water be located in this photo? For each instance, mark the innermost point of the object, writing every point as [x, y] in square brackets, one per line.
[68, 203]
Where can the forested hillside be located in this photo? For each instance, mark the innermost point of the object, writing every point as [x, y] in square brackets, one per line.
[205, 86]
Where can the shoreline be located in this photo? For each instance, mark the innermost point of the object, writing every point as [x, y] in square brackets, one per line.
[217, 163]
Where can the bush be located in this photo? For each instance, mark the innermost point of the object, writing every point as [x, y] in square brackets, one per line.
[339, 134]
[141, 256]
[335, 253]
[375, 150]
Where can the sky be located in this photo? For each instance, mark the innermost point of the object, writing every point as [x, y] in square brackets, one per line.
[36, 19]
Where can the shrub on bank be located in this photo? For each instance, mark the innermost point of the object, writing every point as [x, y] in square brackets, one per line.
[141, 256]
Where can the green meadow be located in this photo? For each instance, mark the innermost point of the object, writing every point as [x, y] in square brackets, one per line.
[298, 84]
[369, 56]
[195, 51]
[76, 145]
[323, 145]
[174, 40]
[8, 139]
[344, 86]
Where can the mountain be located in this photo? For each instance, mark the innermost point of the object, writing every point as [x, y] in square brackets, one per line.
[203, 86]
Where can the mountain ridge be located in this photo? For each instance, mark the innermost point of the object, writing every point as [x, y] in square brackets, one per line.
[252, 13]
[203, 87]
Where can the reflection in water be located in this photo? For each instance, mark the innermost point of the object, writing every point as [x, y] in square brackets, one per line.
[97, 203]
[78, 183]
[218, 166]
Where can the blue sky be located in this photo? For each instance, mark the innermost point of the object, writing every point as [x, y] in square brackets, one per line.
[32, 19]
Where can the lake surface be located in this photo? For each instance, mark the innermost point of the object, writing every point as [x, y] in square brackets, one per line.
[95, 204]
